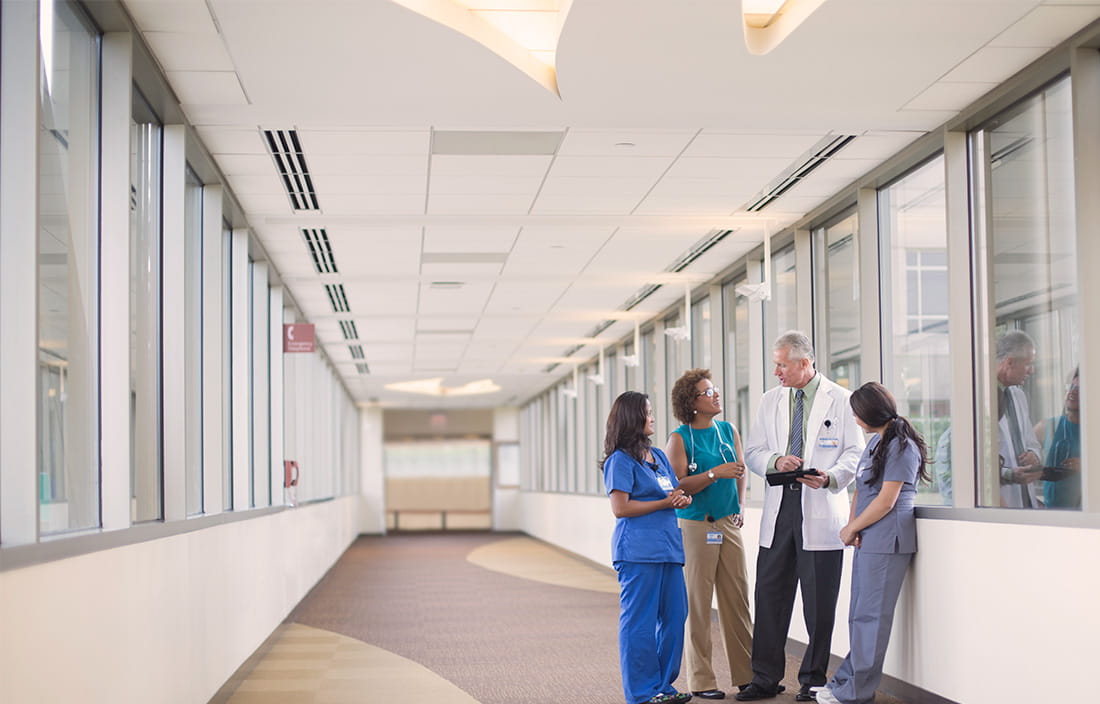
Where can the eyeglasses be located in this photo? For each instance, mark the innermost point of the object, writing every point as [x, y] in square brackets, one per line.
[709, 393]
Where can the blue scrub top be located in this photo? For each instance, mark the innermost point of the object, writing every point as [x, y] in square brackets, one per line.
[654, 537]
[1063, 442]
[709, 448]
[896, 532]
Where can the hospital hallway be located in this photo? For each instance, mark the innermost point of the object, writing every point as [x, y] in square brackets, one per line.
[452, 618]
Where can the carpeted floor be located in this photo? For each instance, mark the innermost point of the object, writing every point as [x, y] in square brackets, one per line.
[500, 618]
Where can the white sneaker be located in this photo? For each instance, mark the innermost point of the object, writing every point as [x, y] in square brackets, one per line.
[825, 696]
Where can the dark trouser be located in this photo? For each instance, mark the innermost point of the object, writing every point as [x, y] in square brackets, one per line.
[779, 570]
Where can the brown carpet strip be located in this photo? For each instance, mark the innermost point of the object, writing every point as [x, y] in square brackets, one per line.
[502, 639]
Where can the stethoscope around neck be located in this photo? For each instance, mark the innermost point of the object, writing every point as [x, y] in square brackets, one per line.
[722, 445]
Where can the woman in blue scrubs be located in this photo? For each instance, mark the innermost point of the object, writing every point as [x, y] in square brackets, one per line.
[648, 553]
[883, 528]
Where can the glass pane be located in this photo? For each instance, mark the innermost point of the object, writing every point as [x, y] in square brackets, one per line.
[916, 353]
[68, 273]
[781, 312]
[145, 333]
[700, 334]
[631, 375]
[736, 326]
[836, 256]
[677, 361]
[227, 369]
[1032, 279]
[192, 332]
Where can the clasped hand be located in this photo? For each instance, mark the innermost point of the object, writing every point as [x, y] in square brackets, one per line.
[850, 537]
[679, 499]
[730, 470]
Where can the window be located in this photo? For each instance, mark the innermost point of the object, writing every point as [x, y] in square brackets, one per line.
[836, 260]
[700, 334]
[916, 351]
[146, 475]
[781, 312]
[192, 333]
[227, 366]
[1026, 260]
[68, 272]
[677, 361]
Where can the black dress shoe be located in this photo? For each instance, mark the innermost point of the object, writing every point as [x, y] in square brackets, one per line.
[779, 689]
[805, 694]
[710, 694]
[753, 691]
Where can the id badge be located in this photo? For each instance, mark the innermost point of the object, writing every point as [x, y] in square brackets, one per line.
[714, 537]
[827, 443]
[665, 482]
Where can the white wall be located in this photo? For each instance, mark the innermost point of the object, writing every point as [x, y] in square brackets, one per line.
[990, 612]
[166, 621]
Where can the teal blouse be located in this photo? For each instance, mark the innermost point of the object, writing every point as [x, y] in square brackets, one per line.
[709, 448]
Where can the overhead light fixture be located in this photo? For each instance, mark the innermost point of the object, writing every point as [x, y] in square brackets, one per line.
[434, 387]
[447, 285]
[761, 291]
[571, 393]
[767, 23]
[633, 360]
[683, 332]
[597, 378]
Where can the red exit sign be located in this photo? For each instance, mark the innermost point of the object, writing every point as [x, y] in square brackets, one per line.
[298, 337]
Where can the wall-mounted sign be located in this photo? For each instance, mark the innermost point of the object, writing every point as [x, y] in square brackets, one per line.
[298, 337]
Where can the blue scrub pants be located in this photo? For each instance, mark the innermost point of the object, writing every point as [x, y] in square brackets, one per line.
[654, 606]
[876, 584]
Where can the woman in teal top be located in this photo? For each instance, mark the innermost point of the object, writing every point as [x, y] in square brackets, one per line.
[1062, 442]
[706, 455]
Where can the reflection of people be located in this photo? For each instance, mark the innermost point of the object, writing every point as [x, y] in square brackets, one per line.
[1019, 448]
[706, 455]
[941, 467]
[1061, 438]
[883, 528]
[647, 552]
[805, 422]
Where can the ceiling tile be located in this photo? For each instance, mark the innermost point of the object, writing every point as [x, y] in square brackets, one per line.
[490, 238]
[1046, 26]
[949, 96]
[509, 166]
[751, 145]
[189, 51]
[365, 142]
[171, 16]
[220, 140]
[207, 87]
[622, 143]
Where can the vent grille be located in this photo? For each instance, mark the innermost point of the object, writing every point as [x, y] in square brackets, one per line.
[286, 150]
[337, 298]
[320, 250]
[818, 155]
[356, 351]
[362, 368]
[348, 328]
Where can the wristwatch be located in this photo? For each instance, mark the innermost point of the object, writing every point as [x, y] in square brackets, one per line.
[711, 475]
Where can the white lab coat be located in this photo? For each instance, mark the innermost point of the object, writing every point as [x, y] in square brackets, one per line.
[834, 449]
[1011, 495]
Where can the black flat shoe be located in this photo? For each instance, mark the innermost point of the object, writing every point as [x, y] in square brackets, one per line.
[805, 694]
[710, 694]
[753, 692]
[779, 689]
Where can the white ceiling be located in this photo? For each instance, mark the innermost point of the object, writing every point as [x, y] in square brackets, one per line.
[549, 244]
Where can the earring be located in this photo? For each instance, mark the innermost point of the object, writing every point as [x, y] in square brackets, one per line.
[694, 413]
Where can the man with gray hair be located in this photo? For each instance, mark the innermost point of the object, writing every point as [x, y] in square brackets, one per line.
[1018, 447]
[805, 423]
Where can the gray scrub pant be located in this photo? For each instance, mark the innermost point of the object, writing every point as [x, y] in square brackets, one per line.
[876, 583]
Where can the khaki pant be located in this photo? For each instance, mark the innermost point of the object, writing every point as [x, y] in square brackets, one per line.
[709, 569]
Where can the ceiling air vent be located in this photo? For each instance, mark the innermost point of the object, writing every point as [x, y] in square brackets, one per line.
[362, 368]
[286, 150]
[348, 328]
[356, 351]
[337, 298]
[818, 155]
[320, 250]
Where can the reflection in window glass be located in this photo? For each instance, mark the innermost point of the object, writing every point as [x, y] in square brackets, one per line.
[649, 366]
[1026, 172]
[631, 376]
[192, 336]
[836, 259]
[700, 334]
[781, 312]
[145, 332]
[68, 272]
[916, 353]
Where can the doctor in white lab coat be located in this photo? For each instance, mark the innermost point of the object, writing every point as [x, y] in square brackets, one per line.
[806, 422]
[1019, 449]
